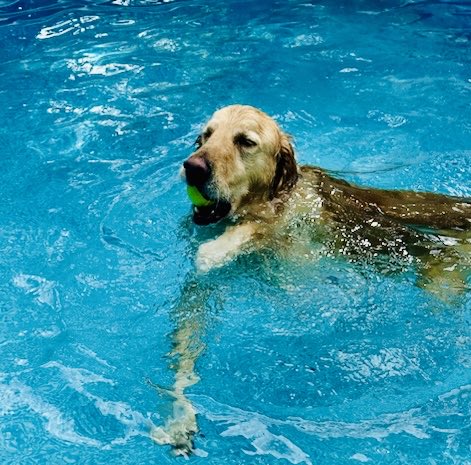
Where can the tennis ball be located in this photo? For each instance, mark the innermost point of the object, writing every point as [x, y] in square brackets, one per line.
[197, 198]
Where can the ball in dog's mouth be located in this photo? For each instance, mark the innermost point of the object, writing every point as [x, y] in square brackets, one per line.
[204, 215]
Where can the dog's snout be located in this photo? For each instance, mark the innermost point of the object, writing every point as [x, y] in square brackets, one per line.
[197, 170]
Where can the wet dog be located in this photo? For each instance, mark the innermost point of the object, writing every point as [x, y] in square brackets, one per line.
[245, 165]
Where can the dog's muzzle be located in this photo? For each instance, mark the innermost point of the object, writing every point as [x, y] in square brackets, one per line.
[198, 173]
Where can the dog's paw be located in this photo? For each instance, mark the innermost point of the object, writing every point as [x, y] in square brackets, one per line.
[179, 429]
[211, 255]
[175, 434]
[218, 252]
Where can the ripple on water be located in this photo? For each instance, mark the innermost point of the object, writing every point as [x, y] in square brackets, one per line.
[65, 422]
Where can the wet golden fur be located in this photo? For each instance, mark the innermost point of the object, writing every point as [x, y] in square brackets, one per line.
[269, 192]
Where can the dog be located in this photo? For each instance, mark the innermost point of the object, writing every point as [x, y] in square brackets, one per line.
[245, 165]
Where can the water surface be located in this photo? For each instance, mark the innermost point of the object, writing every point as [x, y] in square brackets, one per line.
[319, 363]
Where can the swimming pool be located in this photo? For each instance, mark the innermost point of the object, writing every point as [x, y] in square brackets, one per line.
[326, 363]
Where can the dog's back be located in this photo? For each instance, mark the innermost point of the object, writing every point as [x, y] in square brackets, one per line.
[422, 209]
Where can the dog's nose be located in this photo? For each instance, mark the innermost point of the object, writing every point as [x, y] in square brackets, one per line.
[197, 170]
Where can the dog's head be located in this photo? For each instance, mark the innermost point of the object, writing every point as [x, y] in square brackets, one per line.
[241, 155]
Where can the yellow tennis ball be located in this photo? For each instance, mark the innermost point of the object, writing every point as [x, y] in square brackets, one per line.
[197, 198]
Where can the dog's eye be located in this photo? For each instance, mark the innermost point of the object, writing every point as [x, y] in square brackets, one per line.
[202, 138]
[207, 134]
[244, 141]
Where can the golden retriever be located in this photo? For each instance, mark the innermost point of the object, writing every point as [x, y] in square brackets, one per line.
[245, 165]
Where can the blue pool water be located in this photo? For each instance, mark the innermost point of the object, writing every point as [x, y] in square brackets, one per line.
[323, 363]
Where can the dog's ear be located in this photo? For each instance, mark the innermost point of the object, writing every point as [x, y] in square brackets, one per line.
[286, 172]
